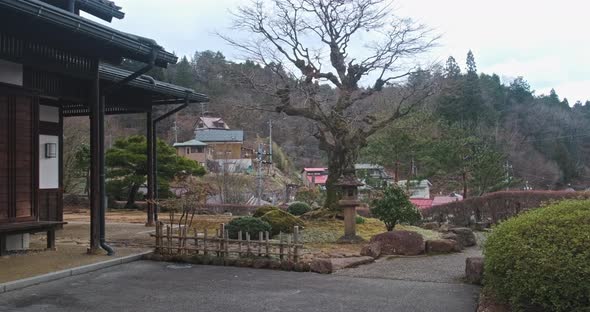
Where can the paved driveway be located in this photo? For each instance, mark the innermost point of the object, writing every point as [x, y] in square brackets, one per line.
[156, 286]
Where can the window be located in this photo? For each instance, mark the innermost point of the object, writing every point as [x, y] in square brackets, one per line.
[197, 149]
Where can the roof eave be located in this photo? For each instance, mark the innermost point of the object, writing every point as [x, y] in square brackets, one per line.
[137, 48]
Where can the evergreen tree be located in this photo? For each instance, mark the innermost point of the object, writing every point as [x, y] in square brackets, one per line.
[184, 74]
[452, 69]
[471, 67]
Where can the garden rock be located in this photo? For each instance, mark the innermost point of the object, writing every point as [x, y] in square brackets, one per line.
[474, 270]
[465, 236]
[330, 265]
[431, 226]
[445, 227]
[400, 243]
[371, 250]
[442, 246]
[321, 265]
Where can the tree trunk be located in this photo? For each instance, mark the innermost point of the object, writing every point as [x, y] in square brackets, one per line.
[341, 156]
[131, 196]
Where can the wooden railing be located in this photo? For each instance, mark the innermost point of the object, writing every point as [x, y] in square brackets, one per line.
[172, 240]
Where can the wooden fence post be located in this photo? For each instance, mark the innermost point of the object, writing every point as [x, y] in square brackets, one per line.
[267, 236]
[248, 243]
[168, 239]
[205, 242]
[221, 240]
[240, 243]
[260, 244]
[281, 248]
[296, 241]
[196, 242]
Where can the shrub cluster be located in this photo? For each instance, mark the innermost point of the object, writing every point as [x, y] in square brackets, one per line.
[281, 221]
[263, 210]
[541, 258]
[394, 207]
[298, 208]
[247, 224]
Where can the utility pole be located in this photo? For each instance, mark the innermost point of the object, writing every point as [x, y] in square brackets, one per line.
[507, 169]
[270, 143]
[260, 156]
[175, 128]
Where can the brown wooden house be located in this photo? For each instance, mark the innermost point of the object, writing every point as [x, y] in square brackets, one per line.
[55, 64]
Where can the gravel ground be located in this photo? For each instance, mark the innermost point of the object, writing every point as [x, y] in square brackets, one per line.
[448, 268]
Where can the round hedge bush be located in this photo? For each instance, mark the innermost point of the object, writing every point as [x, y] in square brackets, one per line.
[247, 225]
[541, 258]
[263, 210]
[281, 221]
[298, 208]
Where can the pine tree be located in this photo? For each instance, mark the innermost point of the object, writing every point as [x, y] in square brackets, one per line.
[452, 69]
[471, 67]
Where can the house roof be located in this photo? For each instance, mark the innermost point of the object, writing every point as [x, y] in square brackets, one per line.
[112, 73]
[36, 16]
[190, 143]
[314, 169]
[421, 203]
[367, 166]
[440, 200]
[217, 135]
[102, 9]
[212, 123]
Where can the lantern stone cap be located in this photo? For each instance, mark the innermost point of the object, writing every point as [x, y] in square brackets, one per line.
[348, 178]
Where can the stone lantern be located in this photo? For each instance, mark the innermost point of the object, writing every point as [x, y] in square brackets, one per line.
[348, 184]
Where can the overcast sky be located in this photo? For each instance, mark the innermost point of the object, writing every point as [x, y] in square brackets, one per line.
[546, 41]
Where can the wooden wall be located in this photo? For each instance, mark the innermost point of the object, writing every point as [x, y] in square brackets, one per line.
[18, 157]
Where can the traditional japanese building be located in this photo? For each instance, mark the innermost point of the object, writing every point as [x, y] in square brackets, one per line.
[55, 64]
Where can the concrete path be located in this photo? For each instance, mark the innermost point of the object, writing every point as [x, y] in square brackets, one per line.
[448, 268]
[155, 286]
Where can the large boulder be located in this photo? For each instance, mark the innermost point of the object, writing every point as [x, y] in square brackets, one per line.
[400, 243]
[329, 265]
[430, 225]
[474, 270]
[442, 246]
[281, 221]
[465, 236]
[371, 250]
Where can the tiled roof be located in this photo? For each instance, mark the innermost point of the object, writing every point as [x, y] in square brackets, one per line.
[440, 200]
[214, 135]
[314, 169]
[190, 143]
[421, 203]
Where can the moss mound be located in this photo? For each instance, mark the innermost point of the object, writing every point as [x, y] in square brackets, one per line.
[281, 221]
[263, 210]
[540, 260]
[298, 208]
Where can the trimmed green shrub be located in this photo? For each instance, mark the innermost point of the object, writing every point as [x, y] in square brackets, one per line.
[308, 195]
[394, 207]
[263, 210]
[247, 225]
[281, 221]
[298, 208]
[541, 258]
[360, 220]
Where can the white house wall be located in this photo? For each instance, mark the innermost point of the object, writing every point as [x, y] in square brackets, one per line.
[48, 167]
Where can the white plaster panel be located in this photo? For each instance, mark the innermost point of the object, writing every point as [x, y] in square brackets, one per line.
[48, 167]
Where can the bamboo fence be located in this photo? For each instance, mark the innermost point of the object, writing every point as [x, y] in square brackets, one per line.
[189, 241]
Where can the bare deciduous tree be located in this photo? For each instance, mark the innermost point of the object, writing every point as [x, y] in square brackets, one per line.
[341, 43]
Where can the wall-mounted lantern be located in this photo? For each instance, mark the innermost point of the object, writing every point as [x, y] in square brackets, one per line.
[50, 150]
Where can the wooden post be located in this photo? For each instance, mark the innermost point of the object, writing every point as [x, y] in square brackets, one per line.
[168, 239]
[281, 248]
[260, 244]
[266, 237]
[222, 239]
[150, 170]
[288, 247]
[197, 240]
[226, 238]
[157, 237]
[248, 243]
[296, 241]
[205, 242]
[240, 243]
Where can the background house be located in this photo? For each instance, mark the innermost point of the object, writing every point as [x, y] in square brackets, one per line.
[221, 143]
[417, 189]
[193, 149]
[208, 122]
[372, 175]
[314, 176]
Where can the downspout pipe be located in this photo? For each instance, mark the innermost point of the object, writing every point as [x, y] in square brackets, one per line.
[155, 153]
[102, 173]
